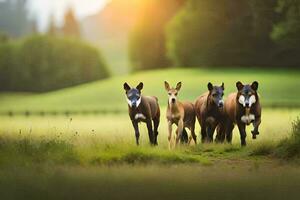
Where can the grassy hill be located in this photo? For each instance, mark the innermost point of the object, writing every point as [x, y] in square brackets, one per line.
[277, 88]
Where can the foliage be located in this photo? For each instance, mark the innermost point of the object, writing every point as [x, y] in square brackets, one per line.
[286, 33]
[213, 33]
[223, 33]
[43, 63]
[147, 41]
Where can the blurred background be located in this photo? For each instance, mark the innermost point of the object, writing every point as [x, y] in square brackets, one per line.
[64, 127]
[57, 44]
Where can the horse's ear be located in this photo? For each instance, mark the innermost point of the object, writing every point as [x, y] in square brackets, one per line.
[178, 86]
[239, 85]
[210, 86]
[222, 86]
[254, 85]
[140, 86]
[167, 86]
[126, 87]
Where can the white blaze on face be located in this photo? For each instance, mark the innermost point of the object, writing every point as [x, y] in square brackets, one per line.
[129, 102]
[242, 100]
[172, 96]
[221, 101]
[252, 100]
[138, 102]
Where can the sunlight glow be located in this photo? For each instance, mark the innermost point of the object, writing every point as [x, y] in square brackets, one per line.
[41, 10]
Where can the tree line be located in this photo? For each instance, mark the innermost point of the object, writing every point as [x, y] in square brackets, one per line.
[42, 63]
[57, 59]
[194, 33]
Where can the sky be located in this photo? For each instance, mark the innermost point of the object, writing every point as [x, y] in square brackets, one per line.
[41, 10]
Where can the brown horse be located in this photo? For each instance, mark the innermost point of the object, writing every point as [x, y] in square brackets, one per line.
[180, 113]
[209, 111]
[143, 109]
[243, 108]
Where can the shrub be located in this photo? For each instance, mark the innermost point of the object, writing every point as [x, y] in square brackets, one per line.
[42, 63]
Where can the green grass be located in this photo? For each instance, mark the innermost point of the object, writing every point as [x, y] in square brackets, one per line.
[277, 88]
[108, 139]
[95, 157]
[229, 182]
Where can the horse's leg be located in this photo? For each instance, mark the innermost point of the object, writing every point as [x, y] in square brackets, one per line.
[150, 130]
[228, 131]
[210, 131]
[156, 124]
[136, 129]
[193, 135]
[180, 129]
[170, 133]
[203, 133]
[242, 130]
[256, 124]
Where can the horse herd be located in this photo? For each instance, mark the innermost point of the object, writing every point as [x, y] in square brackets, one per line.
[212, 112]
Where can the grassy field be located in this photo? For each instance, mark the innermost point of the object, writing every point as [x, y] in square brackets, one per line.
[277, 88]
[117, 129]
[95, 157]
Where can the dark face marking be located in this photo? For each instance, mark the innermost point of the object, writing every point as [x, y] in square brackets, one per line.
[216, 95]
[133, 97]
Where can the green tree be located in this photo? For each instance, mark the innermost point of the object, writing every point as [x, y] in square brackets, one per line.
[71, 27]
[264, 18]
[286, 33]
[44, 63]
[222, 33]
[210, 33]
[147, 48]
[52, 29]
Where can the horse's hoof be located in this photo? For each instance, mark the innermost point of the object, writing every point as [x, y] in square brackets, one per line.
[254, 134]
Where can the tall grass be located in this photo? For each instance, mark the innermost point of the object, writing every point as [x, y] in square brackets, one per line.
[290, 147]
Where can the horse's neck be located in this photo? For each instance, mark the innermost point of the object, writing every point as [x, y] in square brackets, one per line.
[174, 108]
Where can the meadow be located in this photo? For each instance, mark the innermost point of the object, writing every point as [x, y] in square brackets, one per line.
[94, 156]
[278, 88]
